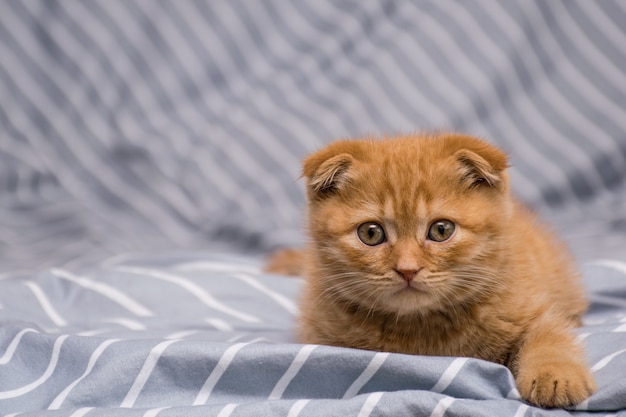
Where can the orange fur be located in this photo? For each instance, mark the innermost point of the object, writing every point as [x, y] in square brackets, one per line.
[286, 262]
[500, 288]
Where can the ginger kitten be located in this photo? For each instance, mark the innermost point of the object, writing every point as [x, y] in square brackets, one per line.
[417, 246]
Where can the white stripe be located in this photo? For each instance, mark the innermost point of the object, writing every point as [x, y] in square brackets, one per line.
[611, 264]
[54, 357]
[234, 24]
[294, 97]
[442, 406]
[216, 266]
[297, 407]
[367, 374]
[514, 394]
[119, 258]
[228, 187]
[605, 361]
[177, 201]
[249, 164]
[128, 323]
[283, 301]
[219, 324]
[423, 65]
[8, 354]
[621, 328]
[613, 33]
[192, 117]
[79, 147]
[608, 300]
[154, 412]
[45, 304]
[597, 321]
[260, 340]
[584, 405]
[594, 56]
[521, 410]
[573, 74]
[292, 371]
[350, 101]
[227, 410]
[498, 60]
[102, 35]
[81, 412]
[182, 334]
[93, 332]
[144, 373]
[577, 119]
[466, 103]
[216, 374]
[533, 66]
[192, 288]
[575, 77]
[449, 374]
[88, 64]
[246, 164]
[369, 404]
[237, 337]
[56, 403]
[107, 291]
[400, 81]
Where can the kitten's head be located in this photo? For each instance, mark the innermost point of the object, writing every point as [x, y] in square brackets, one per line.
[407, 224]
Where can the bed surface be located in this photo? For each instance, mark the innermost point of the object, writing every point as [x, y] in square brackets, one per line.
[149, 160]
[194, 334]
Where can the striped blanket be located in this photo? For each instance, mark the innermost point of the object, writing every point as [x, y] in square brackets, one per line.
[149, 157]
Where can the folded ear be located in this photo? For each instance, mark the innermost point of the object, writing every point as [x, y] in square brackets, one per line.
[326, 174]
[486, 169]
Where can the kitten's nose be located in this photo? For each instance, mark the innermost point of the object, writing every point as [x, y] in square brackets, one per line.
[408, 274]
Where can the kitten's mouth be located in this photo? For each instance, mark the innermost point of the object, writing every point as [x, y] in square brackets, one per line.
[412, 286]
[411, 281]
[410, 297]
[410, 277]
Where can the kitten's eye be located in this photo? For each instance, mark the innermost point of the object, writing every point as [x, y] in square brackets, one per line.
[371, 233]
[441, 230]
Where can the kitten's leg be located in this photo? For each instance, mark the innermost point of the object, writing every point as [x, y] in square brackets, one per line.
[286, 262]
[550, 367]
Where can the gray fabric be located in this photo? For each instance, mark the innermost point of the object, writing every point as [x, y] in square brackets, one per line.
[176, 129]
[149, 125]
[194, 334]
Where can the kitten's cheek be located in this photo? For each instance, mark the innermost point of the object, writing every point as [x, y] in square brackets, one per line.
[355, 244]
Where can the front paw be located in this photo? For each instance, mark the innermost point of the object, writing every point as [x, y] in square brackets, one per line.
[555, 382]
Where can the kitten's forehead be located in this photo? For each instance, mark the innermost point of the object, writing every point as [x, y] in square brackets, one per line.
[406, 181]
[407, 171]
[409, 178]
[407, 214]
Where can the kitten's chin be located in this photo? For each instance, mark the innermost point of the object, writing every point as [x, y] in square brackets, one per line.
[410, 300]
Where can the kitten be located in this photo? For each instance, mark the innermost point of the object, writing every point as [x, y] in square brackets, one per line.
[416, 246]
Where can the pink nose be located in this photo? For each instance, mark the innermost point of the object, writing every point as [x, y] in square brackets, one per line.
[407, 274]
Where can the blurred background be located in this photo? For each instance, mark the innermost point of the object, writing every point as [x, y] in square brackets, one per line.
[134, 126]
